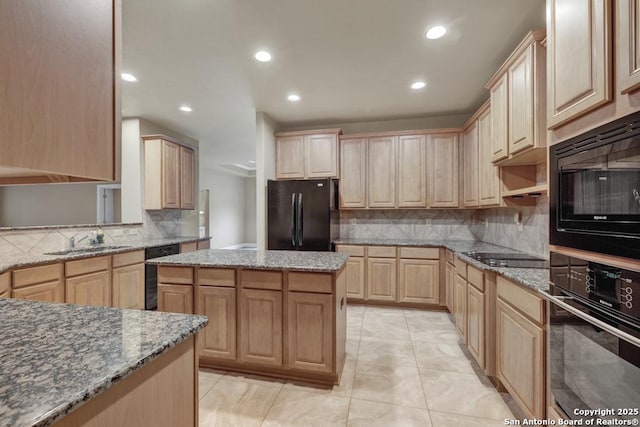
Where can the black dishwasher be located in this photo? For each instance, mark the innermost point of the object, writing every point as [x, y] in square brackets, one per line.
[151, 273]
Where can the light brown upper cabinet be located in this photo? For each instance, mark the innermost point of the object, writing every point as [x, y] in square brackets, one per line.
[628, 45]
[381, 167]
[412, 171]
[308, 154]
[470, 184]
[580, 59]
[169, 174]
[523, 121]
[489, 188]
[60, 100]
[442, 161]
[353, 177]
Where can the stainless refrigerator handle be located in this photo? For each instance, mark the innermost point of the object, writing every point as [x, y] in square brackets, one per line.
[293, 219]
[592, 320]
[300, 222]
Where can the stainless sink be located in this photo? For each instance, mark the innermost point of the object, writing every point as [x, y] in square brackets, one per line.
[90, 249]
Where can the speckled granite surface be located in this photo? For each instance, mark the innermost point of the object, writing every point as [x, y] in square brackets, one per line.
[58, 227]
[29, 260]
[533, 278]
[55, 357]
[326, 262]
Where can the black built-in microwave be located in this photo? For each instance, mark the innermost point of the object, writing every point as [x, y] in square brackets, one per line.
[594, 190]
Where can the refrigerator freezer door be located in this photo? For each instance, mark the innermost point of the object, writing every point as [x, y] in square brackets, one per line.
[314, 222]
[282, 223]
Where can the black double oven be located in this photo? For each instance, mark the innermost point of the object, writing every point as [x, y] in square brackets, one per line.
[594, 330]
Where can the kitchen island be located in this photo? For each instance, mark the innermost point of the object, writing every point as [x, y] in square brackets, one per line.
[273, 313]
[69, 365]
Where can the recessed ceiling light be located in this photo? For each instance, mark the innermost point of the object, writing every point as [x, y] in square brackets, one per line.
[253, 162]
[418, 85]
[128, 77]
[293, 98]
[186, 108]
[436, 32]
[263, 56]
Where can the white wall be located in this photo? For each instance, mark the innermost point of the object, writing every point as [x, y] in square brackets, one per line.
[132, 167]
[265, 170]
[250, 219]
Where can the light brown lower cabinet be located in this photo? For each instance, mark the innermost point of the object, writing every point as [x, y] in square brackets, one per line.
[381, 279]
[218, 339]
[355, 277]
[310, 331]
[460, 305]
[5, 282]
[89, 289]
[5, 295]
[260, 335]
[175, 298]
[188, 247]
[203, 244]
[419, 281]
[449, 285]
[128, 286]
[475, 324]
[520, 359]
[46, 292]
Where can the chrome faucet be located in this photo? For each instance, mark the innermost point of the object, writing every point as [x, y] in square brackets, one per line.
[73, 242]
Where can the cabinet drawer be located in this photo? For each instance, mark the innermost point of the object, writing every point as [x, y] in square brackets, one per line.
[127, 258]
[176, 275]
[85, 266]
[449, 256]
[381, 251]
[461, 267]
[521, 299]
[475, 277]
[311, 282]
[31, 276]
[5, 282]
[217, 277]
[351, 250]
[258, 279]
[420, 253]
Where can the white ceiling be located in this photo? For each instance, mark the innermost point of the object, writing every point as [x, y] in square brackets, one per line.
[349, 60]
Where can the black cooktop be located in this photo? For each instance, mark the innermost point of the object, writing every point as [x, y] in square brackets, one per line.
[508, 259]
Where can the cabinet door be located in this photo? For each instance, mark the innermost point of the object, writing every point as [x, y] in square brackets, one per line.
[128, 286]
[381, 172]
[628, 45]
[48, 292]
[188, 247]
[310, 331]
[90, 289]
[449, 286]
[412, 172]
[203, 244]
[442, 157]
[355, 278]
[218, 340]
[519, 359]
[170, 175]
[460, 305]
[489, 190]
[499, 117]
[321, 156]
[261, 327]
[520, 116]
[187, 178]
[419, 281]
[381, 279]
[175, 298]
[579, 60]
[475, 324]
[290, 157]
[470, 183]
[353, 173]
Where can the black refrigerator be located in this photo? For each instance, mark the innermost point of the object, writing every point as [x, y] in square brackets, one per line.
[302, 215]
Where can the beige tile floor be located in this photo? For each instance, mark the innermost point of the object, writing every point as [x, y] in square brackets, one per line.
[404, 368]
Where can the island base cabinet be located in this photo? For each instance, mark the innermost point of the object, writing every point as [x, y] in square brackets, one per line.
[45, 292]
[90, 289]
[310, 331]
[260, 327]
[218, 339]
[128, 287]
[175, 298]
[520, 358]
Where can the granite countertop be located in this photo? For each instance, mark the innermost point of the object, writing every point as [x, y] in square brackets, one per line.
[30, 260]
[533, 278]
[322, 262]
[55, 357]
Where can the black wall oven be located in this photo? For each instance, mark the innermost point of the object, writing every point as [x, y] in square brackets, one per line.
[594, 190]
[594, 338]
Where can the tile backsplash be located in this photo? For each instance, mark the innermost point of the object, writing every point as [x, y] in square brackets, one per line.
[156, 224]
[497, 226]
